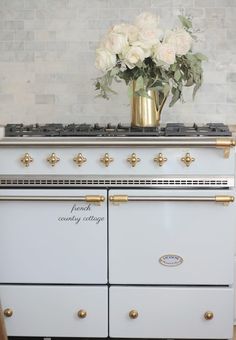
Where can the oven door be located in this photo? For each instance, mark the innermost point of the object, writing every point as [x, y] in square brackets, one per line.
[171, 237]
[53, 236]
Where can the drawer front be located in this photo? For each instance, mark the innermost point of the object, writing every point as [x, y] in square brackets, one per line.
[171, 312]
[54, 237]
[161, 236]
[53, 310]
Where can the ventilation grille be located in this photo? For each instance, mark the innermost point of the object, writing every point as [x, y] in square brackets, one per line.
[114, 182]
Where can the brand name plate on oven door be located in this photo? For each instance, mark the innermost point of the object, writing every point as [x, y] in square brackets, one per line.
[171, 260]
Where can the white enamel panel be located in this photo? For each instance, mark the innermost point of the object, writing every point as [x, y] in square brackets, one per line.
[171, 312]
[52, 311]
[201, 234]
[234, 290]
[208, 161]
[47, 242]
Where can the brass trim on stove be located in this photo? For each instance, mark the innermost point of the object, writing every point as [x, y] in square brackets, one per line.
[106, 159]
[160, 159]
[226, 144]
[119, 198]
[26, 160]
[125, 198]
[121, 142]
[88, 198]
[8, 312]
[187, 159]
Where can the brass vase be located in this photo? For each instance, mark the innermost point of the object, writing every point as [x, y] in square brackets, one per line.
[146, 111]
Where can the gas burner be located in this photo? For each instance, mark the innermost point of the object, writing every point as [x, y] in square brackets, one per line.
[210, 129]
[120, 130]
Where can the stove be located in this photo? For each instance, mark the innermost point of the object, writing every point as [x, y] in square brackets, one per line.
[131, 227]
[109, 130]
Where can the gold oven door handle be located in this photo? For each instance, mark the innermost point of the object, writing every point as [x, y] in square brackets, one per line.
[125, 198]
[89, 198]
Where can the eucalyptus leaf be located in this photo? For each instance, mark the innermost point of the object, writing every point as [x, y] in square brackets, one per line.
[201, 56]
[196, 88]
[185, 21]
[114, 71]
[177, 75]
[176, 96]
[139, 84]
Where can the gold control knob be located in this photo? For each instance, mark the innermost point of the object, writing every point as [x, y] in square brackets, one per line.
[106, 159]
[133, 160]
[209, 315]
[8, 312]
[82, 314]
[160, 159]
[26, 160]
[53, 159]
[80, 159]
[133, 314]
[187, 159]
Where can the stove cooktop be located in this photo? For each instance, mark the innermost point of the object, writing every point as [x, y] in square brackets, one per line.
[120, 130]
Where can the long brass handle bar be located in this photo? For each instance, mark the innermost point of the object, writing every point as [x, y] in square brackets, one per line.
[88, 198]
[106, 142]
[126, 198]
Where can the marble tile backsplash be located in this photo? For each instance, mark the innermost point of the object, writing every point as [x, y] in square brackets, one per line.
[47, 52]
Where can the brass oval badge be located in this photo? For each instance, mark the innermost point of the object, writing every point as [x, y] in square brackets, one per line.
[171, 260]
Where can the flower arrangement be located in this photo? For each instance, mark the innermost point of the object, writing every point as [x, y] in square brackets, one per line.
[155, 59]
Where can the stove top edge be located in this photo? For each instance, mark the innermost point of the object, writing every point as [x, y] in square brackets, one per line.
[120, 130]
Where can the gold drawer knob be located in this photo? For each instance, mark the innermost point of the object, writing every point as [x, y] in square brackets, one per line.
[187, 159]
[82, 314]
[8, 312]
[133, 314]
[53, 159]
[209, 315]
[80, 159]
[160, 159]
[106, 160]
[26, 160]
[133, 160]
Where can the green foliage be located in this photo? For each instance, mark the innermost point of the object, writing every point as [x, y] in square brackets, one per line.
[186, 22]
[185, 72]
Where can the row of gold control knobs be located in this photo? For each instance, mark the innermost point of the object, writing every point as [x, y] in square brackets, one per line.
[106, 159]
[133, 314]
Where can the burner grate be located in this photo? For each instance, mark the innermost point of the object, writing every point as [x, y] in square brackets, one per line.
[109, 130]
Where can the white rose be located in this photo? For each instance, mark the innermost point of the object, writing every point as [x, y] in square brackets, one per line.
[147, 20]
[147, 49]
[105, 60]
[128, 30]
[150, 36]
[180, 39]
[134, 55]
[164, 52]
[115, 42]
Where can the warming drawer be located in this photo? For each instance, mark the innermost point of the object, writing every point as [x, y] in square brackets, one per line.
[171, 237]
[53, 236]
[57, 311]
[171, 312]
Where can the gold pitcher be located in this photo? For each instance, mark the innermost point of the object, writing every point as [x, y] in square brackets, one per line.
[146, 111]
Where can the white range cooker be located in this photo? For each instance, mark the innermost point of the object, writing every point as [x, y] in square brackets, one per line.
[117, 232]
